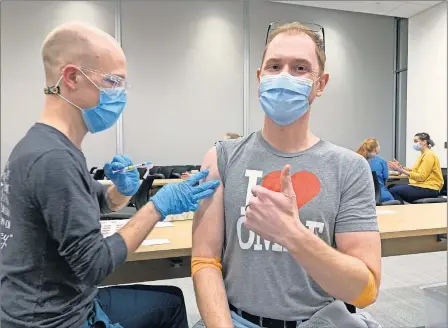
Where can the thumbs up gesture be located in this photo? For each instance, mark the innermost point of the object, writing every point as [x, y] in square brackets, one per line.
[274, 216]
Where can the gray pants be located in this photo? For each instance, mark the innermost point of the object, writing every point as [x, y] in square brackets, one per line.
[334, 315]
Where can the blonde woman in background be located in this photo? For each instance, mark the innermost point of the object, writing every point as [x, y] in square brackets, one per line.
[369, 149]
[227, 136]
[231, 135]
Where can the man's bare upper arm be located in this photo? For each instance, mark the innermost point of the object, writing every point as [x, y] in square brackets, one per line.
[363, 245]
[208, 223]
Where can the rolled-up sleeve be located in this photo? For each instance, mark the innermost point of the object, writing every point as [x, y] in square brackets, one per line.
[101, 193]
[70, 211]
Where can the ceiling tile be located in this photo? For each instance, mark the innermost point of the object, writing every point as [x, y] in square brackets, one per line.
[426, 3]
[378, 7]
[407, 10]
[389, 8]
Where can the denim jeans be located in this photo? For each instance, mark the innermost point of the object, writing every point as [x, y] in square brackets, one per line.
[237, 321]
[142, 306]
[408, 193]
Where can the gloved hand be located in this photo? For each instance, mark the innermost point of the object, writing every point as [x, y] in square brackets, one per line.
[177, 198]
[127, 183]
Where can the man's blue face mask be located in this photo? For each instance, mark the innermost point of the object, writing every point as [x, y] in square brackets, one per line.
[284, 98]
[111, 104]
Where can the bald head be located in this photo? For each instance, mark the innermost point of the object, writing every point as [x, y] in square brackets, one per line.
[81, 45]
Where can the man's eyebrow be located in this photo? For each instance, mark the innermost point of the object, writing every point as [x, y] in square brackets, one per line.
[273, 59]
[295, 60]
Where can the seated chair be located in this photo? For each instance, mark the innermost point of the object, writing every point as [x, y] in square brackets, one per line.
[137, 201]
[98, 174]
[378, 193]
[177, 171]
[440, 199]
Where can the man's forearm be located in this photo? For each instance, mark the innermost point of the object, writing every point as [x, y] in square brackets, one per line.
[139, 226]
[115, 200]
[342, 276]
[211, 298]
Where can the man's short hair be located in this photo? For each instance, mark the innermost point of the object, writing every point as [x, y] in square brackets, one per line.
[296, 28]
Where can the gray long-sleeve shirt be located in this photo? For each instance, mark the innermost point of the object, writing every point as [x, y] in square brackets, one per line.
[52, 252]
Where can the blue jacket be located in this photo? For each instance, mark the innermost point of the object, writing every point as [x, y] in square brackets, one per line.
[379, 166]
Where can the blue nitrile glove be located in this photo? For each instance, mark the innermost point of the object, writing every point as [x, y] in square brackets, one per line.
[127, 183]
[177, 198]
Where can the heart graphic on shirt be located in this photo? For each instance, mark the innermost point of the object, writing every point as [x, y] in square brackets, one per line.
[306, 185]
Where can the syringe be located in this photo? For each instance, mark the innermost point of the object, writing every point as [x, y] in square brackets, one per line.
[131, 167]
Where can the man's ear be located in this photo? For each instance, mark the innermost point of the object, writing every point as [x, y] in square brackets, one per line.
[321, 84]
[69, 75]
[258, 75]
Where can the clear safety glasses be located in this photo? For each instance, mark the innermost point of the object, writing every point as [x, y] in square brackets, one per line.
[111, 81]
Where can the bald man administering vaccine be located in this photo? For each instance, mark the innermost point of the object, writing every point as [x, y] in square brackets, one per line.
[53, 255]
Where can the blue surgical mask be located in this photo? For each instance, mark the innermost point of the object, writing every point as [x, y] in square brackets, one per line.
[284, 98]
[105, 114]
[417, 146]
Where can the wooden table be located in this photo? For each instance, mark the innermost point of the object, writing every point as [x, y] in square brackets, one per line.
[404, 229]
[397, 179]
[412, 229]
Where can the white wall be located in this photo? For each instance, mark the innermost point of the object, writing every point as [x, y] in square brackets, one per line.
[185, 67]
[24, 26]
[427, 80]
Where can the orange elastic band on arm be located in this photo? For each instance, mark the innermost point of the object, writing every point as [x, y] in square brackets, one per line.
[368, 294]
[199, 263]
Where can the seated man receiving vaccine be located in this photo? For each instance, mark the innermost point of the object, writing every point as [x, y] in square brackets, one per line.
[291, 233]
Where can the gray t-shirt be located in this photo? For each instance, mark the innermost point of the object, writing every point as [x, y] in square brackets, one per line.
[52, 252]
[335, 193]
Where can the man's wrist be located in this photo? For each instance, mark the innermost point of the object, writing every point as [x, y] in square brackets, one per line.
[298, 236]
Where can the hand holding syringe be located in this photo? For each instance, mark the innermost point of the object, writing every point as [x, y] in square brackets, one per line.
[148, 165]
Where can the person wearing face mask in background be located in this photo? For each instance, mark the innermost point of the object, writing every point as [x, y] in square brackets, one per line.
[425, 177]
[53, 255]
[291, 232]
[369, 149]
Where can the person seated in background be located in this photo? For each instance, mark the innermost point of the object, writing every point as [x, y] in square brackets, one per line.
[227, 136]
[425, 178]
[369, 149]
[231, 135]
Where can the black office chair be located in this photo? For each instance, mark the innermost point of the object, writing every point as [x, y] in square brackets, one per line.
[178, 170]
[141, 196]
[378, 193]
[123, 214]
[167, 171]
[440, 199]
[98, 174]
[155, 170]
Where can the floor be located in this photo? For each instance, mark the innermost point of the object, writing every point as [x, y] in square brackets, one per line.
[400, 303]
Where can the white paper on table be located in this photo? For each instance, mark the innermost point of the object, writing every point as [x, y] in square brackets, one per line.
[381, 211]
[164, 224]
[109, 227]
[158, 241]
